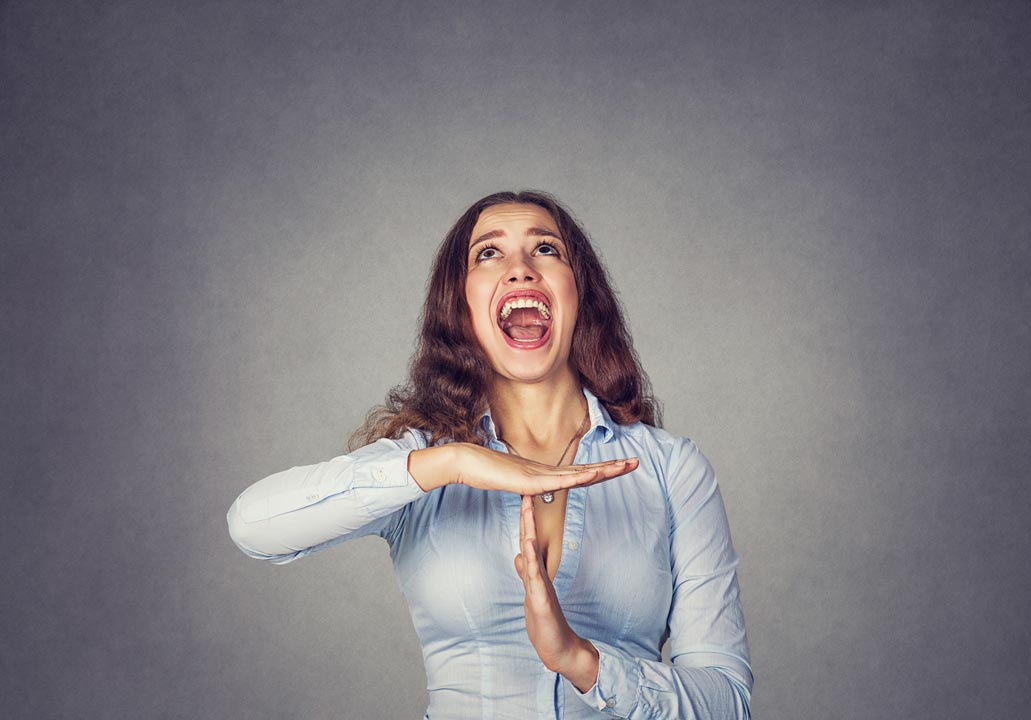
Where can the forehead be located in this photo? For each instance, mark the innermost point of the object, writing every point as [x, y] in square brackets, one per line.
[514, 218]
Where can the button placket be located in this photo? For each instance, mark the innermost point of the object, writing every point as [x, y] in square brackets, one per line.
[572, 533]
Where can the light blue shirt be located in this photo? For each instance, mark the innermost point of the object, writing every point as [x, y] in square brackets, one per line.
[644, 556]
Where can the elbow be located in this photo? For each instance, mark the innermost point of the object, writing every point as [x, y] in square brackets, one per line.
[742, 695]
[239, 532]
[245, 538]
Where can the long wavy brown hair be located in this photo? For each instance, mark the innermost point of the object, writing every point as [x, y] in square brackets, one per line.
[449, 374]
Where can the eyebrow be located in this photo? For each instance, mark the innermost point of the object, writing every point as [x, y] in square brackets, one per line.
[532, 231]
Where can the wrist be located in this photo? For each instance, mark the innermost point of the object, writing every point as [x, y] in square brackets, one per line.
[582, 667]
[431, 467]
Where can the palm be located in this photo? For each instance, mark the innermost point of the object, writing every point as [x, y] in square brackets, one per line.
[488, 469]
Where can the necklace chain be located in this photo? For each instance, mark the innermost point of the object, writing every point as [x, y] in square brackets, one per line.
[549, 497]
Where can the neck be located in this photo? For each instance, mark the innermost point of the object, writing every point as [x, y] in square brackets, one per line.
[535, 417]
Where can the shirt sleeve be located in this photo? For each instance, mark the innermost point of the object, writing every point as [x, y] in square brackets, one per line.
[308, 508]
[710, 676]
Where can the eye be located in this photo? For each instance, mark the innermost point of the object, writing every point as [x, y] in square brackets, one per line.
[488, 252]
[546, 248]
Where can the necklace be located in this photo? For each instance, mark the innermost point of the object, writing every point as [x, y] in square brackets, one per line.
[549, 497]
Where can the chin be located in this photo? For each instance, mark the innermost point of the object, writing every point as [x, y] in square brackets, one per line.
[529, 370]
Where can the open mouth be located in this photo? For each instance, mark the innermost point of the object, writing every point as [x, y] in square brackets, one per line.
[524, 317]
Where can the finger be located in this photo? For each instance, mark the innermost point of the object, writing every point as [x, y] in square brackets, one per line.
[605, 471]
[591, 477]
[586, 467]
[532, 567]
[615, 470]
[530, 516]
[617, 467]
[601, 463]
[528, 544]
[522, 522]
[532, 559]
[520, 567]
[527, 519]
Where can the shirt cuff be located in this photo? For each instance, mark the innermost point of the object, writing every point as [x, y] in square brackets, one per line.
[619, 677]
[383, 485]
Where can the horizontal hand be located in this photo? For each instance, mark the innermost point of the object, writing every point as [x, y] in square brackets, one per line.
[487, 469]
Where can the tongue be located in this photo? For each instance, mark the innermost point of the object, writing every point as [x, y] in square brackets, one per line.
[532, 332]
[525, 324]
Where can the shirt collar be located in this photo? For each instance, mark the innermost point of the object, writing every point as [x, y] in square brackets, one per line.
[599, 420]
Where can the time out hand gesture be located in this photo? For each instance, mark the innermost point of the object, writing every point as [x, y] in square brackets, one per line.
[560, 649]
[487, 469]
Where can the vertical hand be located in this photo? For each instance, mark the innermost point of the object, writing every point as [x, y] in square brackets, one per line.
[560, 649]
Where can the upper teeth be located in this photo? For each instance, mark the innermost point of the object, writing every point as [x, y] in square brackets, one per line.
[525, 302]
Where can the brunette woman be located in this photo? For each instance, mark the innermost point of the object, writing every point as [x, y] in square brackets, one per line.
[526, 431]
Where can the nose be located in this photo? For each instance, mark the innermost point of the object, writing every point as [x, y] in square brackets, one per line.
[521, 269]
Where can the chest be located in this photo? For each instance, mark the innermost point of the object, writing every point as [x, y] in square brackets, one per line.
[608, 556]
[550, 524]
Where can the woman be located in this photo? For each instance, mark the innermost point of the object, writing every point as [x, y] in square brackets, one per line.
[526, 432]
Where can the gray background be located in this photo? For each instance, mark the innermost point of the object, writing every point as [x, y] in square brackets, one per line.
[216, 224]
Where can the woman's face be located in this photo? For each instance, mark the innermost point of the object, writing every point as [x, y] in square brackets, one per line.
[521, 292]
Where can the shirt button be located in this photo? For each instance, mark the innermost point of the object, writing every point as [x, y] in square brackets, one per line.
[611, 702]
[573, 545]
[379, 475]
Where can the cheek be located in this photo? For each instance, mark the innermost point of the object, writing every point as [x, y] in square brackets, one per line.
[479, 304]
[570, 299]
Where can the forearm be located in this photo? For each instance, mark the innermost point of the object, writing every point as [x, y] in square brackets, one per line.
[433, 467]
[582, 667]
[638, 689]
[298, 511]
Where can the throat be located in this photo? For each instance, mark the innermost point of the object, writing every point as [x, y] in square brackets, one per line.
[538, 419]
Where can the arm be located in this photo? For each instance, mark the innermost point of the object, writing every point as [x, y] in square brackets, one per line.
[710, 676]
[308, 508]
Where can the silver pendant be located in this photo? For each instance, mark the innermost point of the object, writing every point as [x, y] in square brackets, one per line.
[548, 497]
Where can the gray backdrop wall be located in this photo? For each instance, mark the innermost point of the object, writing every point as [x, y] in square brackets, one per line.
[216, 224]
